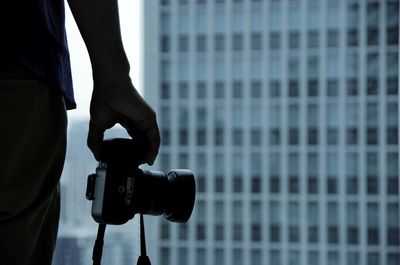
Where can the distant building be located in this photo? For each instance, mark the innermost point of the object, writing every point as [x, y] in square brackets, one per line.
[68, 251]
[288, 113]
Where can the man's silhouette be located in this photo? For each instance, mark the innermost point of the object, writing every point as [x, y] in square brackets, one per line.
[35, 91]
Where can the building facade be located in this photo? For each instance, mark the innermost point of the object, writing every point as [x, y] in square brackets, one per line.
[288, 113]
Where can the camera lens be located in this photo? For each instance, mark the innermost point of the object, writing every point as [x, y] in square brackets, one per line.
[172, 195]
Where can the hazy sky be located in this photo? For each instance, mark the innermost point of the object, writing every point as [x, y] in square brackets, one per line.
[131, 27]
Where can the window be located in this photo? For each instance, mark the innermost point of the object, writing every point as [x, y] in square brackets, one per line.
[392, 86]
[274, 137]
[200, 232]
[294, 40]
[352, 87]
[312, 64]
[274, 89]
[165, 70]
[255, 173]
[372, 64]
[255, 255]
[255, 89]
[312, 87]
[164, 43]
[352, 37]
[313, 258]
[218, 256]
[392, 36]
[312, 136]
[183, 43]
[312, 168]
[392, 62]
[219, 89]
[275, 257]
[237, 89]
[200, 256]
[275, 40]
[393, 258]
[333, 38]
[332, 136]
[256, 41]
[313, 39]
[201, 43]
[183, 231]
[165, 90]
[293, 136]
[372, 86]
[237, 184]
[165, 256]
[237, 232]
[237, 42]
[201, 90]
[182, 256]
[165, 231]
[353, 258]
[332, 88]
[293, 88]
[352, 136]
[372, 136]
[219, 171]
[219, 232]
[333, 258]
[164, 2]
[373, 258]
[183, 90]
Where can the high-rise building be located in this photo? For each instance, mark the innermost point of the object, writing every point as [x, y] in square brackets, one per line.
[288, 113]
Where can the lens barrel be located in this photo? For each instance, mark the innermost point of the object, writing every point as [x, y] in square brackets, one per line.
[172, 195]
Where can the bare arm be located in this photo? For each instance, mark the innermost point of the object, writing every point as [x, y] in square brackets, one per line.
[114, 99]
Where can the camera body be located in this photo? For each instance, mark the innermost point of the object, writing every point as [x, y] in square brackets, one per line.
[120, 189]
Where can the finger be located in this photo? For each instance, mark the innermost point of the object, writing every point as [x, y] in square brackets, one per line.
[153, 139]
[95, 140]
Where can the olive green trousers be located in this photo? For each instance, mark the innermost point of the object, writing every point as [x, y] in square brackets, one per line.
[33, 126]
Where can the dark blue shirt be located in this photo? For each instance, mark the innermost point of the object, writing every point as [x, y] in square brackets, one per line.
[32, 37]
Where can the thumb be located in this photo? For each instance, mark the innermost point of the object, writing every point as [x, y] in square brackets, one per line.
[95, 140]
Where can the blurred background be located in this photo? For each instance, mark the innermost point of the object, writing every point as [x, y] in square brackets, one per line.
[287, 111]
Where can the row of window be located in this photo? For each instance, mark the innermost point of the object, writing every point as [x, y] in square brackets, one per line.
[274, 163]
[276, 257]
[312, 185]
[294, 90]
[274, 16]
[311, 137]
[313, 234]
[276, 65]
[275, 40]
[275, 116]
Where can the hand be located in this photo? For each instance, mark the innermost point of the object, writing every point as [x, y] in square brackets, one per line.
[121, 103]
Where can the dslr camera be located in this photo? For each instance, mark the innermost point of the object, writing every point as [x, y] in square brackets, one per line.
[120, 189]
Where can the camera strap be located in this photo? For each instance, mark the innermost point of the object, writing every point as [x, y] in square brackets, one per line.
[143, 258]
[98, 245]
